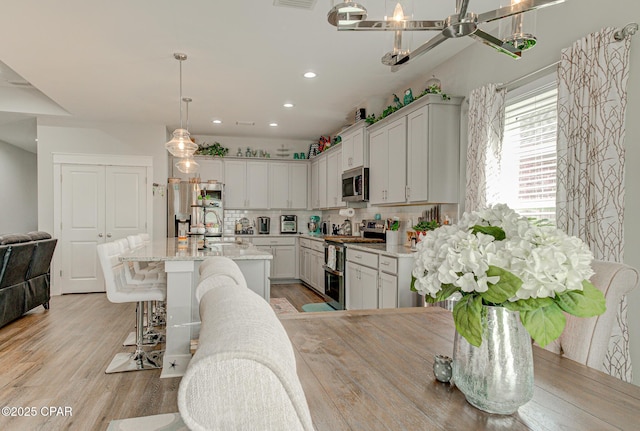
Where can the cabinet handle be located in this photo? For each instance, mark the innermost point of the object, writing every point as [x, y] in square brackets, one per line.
[108, 235]
[358, 256]
[100, 235]
[384, 263]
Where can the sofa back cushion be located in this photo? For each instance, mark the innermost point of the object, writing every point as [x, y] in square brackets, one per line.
[243, 375]
[18, 264]
[41, 258]
[14, 238]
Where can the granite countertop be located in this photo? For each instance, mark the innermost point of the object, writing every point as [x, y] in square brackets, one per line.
[166, 249]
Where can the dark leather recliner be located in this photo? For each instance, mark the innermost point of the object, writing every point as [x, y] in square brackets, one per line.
[25, 260]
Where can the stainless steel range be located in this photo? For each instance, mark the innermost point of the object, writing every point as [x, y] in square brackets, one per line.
[373, 231]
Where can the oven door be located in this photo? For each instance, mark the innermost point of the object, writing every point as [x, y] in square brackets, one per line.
[334, 288]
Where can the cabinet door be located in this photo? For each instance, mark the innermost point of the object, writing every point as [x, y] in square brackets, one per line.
[284, 257]
[334, 179]
[418, 155]
[368, 278]
[211, 169]
[317, 271]
[388, 291]
[278, 185]
[444, 153]
[257, 185]
[397, 159]
[322, 182]
[379, 170]
[315, 190]
[235, 184]
[298, 185]
[347, 152]
[357, 146]
[353, 287]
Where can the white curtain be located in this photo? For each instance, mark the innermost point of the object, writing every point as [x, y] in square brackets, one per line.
[485, 131]
[592, 98]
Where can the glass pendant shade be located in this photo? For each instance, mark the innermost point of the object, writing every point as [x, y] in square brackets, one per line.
[180, 145]
[519, 30]
[187, 165]
[345, 13]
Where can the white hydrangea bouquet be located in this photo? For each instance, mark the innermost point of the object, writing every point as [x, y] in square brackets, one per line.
[496, 257]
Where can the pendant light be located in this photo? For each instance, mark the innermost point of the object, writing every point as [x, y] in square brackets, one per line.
[181, 145]
[187, 164]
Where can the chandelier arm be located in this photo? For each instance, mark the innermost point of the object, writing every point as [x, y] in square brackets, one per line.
[523, 6]
[428, 45]
[418, 25]
[497, 44]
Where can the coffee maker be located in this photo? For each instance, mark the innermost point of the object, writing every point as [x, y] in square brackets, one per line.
[264, 225]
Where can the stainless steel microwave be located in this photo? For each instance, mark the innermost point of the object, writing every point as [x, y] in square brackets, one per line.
[355, 185]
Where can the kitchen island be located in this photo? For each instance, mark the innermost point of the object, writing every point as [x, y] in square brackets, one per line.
[182, 264]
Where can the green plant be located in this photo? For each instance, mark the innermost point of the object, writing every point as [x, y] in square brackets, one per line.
[215, 149]
[434, 89]
[426, 225]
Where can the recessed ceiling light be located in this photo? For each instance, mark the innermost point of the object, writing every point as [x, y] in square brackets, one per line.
[217, 121]
[310, 75]
[273, 124]
[288, 105]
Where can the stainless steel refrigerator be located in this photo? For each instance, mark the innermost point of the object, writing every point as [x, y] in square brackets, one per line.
[193, 203]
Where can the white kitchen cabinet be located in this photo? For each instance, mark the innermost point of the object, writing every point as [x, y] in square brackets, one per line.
[387, 290]
[315, 178]
[321, 185]
[362, 293]
[246, 184]
[354, 150]
[334, 179]
[361, 289]
[288, 185]
[311, 261]
[388, 158]
[283, 265]
[433, 152]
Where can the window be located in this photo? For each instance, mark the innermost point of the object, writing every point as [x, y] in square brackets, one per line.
[529, 152]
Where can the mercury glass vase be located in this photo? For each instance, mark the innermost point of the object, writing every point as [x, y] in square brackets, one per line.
[496, 377]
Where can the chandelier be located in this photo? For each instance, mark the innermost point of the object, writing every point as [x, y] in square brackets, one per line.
[513, 38]
[180, 145]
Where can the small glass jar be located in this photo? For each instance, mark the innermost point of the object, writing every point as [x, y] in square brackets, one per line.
[442, 368]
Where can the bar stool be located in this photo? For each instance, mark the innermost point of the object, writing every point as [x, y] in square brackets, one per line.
[155, 315]
[118, 291]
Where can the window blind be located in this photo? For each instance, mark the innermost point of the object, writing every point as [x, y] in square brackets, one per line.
[529, 153]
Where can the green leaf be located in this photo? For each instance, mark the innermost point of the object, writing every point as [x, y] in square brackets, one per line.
[544, 324]
[494, 231]
[467, 317]
[586, 303]
[504, 289]
[528, 304]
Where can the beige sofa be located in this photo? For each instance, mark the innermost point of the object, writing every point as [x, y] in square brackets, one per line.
[243, 375]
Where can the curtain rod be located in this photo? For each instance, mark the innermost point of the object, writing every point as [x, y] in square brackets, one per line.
[623, 33]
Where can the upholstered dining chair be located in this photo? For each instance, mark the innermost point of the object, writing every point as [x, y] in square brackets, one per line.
[118, 291]
[590, 340]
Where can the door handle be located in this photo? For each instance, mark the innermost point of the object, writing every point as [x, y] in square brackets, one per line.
[100, 235]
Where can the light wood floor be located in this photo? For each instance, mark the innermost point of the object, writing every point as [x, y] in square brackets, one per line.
[57, 358]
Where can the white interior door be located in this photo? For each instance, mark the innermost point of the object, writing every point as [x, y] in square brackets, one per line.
[82, 227]
[125, 201]
[98, 204]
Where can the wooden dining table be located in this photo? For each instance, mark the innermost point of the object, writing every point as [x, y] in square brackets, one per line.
[373, 370]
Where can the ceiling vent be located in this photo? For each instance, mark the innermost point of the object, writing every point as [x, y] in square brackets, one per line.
[298, 4]
[245, 123]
